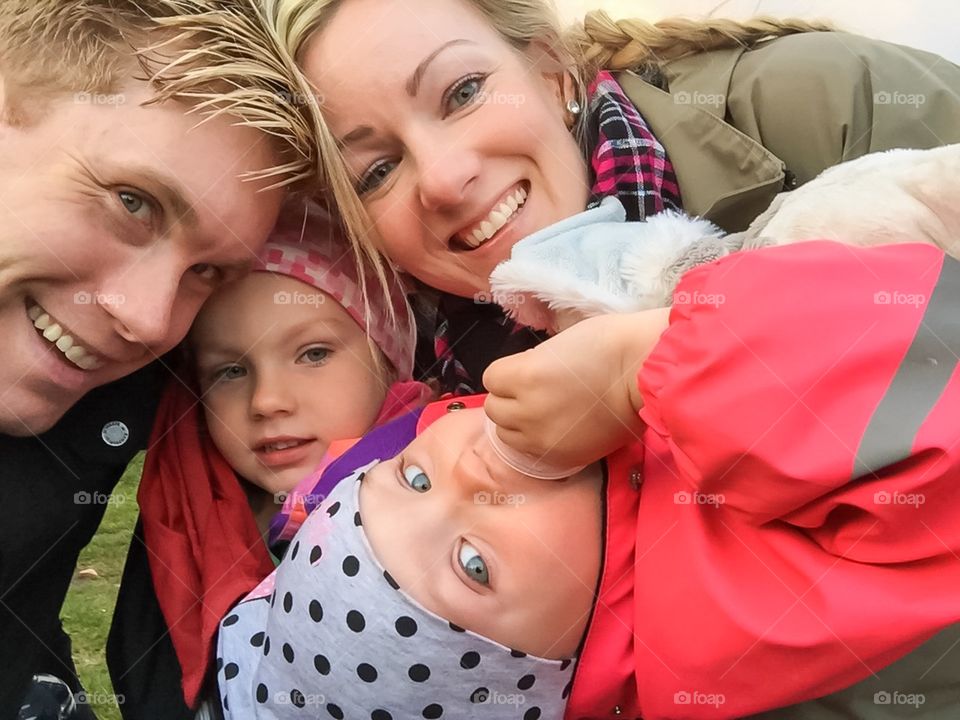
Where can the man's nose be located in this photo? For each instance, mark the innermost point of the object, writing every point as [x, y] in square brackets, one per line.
[140, 299]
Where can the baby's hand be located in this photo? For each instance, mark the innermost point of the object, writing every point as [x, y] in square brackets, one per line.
[574, 399]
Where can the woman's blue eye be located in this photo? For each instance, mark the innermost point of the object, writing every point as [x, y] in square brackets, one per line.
[463, 93]
[316, 355]
[416, 478]
[472, 564]
[375, 176]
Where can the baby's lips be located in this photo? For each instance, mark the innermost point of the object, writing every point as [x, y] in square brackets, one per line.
[529, 465]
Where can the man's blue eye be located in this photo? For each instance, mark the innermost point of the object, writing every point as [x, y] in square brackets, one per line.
[416, 478]
[131, 201]
[473, 564]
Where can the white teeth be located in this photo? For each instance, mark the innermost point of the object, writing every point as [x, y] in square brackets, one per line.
[54, 333]
[272, 447]
[497, 218]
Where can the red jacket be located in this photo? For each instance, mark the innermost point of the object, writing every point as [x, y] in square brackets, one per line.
[789, 523]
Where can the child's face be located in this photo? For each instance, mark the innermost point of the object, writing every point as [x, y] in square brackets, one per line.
[284, 370]
[509, 557]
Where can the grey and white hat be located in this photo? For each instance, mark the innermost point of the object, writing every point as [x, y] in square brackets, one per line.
[331, 635]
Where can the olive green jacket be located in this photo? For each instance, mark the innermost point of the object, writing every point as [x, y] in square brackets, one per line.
[741, 125]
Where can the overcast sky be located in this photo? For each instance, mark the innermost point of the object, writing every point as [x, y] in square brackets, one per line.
[929, 24]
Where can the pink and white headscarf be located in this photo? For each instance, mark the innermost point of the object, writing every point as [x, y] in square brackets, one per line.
[312, 249]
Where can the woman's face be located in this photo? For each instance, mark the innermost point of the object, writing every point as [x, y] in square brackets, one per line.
[458, 142]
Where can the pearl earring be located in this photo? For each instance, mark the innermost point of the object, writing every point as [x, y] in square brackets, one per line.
[573, 107]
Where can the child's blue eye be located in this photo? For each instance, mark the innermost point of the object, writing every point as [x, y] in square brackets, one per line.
[231, 372]
[315, 355]
[472, 564]
[416, 478]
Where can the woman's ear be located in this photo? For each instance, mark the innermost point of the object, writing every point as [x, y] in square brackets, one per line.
[558, 80]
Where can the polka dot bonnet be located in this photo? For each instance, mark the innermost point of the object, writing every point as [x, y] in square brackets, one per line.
[306, 245]
[331, 635]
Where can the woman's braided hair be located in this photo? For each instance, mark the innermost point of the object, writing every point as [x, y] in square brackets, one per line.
[597, 43]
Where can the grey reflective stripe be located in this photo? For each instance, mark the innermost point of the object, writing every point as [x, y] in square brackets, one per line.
[919, 381]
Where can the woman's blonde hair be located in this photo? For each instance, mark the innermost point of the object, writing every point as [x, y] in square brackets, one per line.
[214, 56]
[598, 43]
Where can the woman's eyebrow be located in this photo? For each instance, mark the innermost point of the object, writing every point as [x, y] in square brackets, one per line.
[413, 84]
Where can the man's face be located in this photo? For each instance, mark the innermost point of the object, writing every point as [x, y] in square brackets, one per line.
[116, 222]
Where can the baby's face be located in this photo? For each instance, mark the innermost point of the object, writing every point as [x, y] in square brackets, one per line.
[284, 370]
[506, 556]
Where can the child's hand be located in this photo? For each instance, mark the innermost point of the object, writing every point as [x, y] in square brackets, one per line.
[574, 399]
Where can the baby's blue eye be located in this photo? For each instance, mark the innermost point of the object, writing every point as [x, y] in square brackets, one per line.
[416, 478]
[472, 564]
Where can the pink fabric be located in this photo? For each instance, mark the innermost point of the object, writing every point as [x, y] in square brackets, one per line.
[312, 250]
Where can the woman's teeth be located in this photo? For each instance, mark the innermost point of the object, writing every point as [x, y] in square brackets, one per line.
[53, 332]
[497, 218]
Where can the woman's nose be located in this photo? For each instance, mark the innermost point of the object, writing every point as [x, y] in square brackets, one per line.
[445, 174]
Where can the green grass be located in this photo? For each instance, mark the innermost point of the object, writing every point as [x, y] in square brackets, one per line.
[89, 604]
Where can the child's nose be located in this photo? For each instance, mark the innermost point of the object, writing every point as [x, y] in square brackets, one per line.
[271, 396]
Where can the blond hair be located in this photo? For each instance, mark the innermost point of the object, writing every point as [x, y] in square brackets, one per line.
[598, 43]
[214, 57]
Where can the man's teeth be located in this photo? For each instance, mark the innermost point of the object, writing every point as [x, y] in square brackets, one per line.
[54, 333]
[497, 218]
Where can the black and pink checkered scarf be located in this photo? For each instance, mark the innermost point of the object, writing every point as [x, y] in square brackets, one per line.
[626, 160]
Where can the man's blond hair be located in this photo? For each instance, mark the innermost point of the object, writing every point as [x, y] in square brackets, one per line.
[215, 56]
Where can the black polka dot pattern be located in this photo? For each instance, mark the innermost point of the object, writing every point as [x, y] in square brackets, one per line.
[406, 626]
[419, 673]
[356, 621]
[321, 664]
[367, 672]
[351, 566]
[349, 643]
